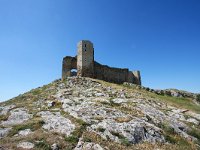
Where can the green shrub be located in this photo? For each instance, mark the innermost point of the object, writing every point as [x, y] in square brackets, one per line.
[87, 139]
[43, 145]
[100, 129]
[170, 139]
[198, 98]
[72, 139]
[120, 136]
[125, 141]
[195, 133]
[4, 117]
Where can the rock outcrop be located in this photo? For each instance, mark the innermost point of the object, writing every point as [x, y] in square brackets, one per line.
[82, 113]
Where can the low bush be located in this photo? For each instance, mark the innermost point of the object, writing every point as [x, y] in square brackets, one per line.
[43, 145]
[198, 98]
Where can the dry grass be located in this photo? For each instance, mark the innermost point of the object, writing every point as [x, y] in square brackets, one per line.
[123, 119]
[93, 137]
[39, 135]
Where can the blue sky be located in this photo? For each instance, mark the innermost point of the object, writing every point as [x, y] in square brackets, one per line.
[161, 38]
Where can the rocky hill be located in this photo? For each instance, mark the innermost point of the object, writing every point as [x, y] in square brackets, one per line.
[88, 114]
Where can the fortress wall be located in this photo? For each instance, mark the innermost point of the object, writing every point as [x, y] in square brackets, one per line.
[87, 67]
[68, 64]
[110, 74]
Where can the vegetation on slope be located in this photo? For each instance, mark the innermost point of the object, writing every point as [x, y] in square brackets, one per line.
[45, 139]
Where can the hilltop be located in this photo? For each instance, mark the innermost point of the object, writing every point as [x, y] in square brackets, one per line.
[87, 114]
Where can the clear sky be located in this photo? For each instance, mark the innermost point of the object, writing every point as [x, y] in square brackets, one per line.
[161, 38]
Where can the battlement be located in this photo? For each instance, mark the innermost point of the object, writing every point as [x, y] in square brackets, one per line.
[86, 67]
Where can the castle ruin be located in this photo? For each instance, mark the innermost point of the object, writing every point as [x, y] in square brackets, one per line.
[86, 66]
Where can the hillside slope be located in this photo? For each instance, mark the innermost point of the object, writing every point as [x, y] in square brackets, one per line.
[83, 113]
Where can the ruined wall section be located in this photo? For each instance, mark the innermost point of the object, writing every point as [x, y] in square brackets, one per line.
[87, 67]
[85, 59]
[68, 64]
[106, 73]
[137, 77]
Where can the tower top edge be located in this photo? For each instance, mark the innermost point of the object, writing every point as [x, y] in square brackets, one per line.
[84, 41]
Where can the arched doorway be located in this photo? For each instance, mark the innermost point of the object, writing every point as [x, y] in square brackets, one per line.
[73, 72]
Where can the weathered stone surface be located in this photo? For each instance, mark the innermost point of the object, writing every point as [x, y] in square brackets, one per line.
[24, 132]
[87, 146]
[5, 109]
[51, 103]
[192, 120]
[57, 123]
[17, 116]
[4, 132]
[110, 112]
[55, 146]
[119, 100]
[135, 131]
[25, 145]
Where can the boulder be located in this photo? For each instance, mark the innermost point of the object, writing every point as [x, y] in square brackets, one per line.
[25, 145]
[57, 123]
[17, 116]
[87, 146]
[55, 146]
[24, 132]
[4, 132]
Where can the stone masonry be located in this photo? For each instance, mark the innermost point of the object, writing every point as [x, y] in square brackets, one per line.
[86, 67]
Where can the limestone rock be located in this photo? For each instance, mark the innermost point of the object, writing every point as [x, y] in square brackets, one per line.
[135, 131]
[87, 146]
[55, 146]
[119, 100]
[192, 120]
[51, 103]
[5, 109]
[4, 132]
[25, 145]
[57, 123]
[111, 113]
[17, 116]
[24, 132]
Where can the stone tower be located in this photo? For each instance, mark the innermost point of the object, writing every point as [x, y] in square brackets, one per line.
[85, 59]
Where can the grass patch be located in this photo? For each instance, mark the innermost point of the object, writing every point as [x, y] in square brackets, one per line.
[120, 136]
[125, 142]
[76, 134]
[4, 117]
[123, 119]
[33, 125]
[169, 133]
[87, 139]
[198, 98]
[195, 133]
[184, 103]
[42, 145]
[72, 139]
[173, 138]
